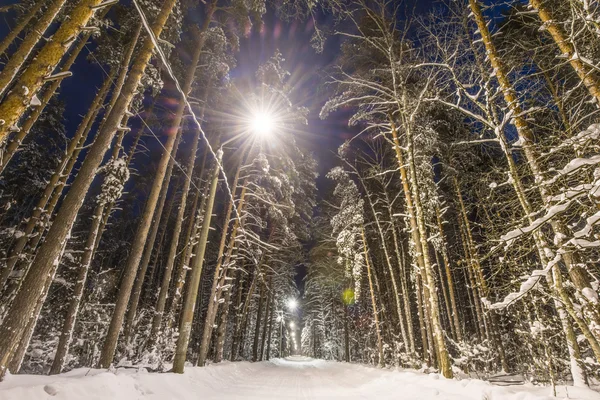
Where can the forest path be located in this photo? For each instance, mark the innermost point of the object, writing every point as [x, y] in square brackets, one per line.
[290, 378]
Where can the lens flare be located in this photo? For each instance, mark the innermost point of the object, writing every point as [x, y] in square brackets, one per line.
[263, 124]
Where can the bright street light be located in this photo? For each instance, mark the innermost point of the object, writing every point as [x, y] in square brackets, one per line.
[292, 304]
[262, 123]
[292, 325]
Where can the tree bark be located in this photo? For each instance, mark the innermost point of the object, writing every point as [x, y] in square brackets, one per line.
[43, 265]
[150, 240]
[380, 361]
[18, 58]
[222, 263]
[32, 78]
[137, 246]
[585, 73]
[17, 139]
[21, 24]
[189, 303]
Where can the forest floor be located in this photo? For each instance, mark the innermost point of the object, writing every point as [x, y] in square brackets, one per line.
[291, 378]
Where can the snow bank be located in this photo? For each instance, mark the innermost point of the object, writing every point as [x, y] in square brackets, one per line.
[293, 378]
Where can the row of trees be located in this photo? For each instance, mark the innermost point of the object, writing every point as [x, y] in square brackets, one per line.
[464, 212]
[114, 251]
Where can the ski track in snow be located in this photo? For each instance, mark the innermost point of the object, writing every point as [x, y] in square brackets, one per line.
[291, 378]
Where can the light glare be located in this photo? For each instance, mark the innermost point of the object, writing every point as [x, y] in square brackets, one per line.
[292, 304]
[262, 124]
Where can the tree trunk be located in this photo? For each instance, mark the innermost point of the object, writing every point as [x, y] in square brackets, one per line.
[60, 172]
[137, 246]
[380, 361]
[17, 139]
[32, 78]
[222, 328]
[454, 316]
[382, 243]
[402, 272]
[186, 259]
[21, 24]
[44, 263]
[429, 281]
[257, 324]
[268, 354]
[222, 264]
[585, 73]
[164, 287]
[136, 291]
[187, 312]
[18, 58]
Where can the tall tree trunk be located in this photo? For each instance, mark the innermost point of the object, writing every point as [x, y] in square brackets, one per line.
[187, 258]
[382, 243]
[222, 328]
[585, 73]
[402, 273]
[60, 172]
[454, 316]
[187, 312]
[164, 287]
[17, 138]
[429, 281]
[237, 318]
[43, 265]
[380, 361]
[32, 78]
[137, 246]
[222, 267]
[150, 240]
[21, 24]
[259, 313]
[18, 58]
[270, 329]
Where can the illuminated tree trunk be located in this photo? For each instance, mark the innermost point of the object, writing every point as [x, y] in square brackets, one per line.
[585, 73]
[164, 287]
[18, 58]
[187, 313]
[222, 328]
[17, 138]
[454, 316]
[222, 262]
[402, 272]
[137, 246]
[429, 280]
[23, 21]
[382, 243]
[414, 231]
[259, 313]
[32, 78]
[380, 361]
[23, 306]
[183, 267]
[60, 172]
[136, 291]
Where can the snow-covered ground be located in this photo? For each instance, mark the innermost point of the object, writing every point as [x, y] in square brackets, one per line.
[292, 378]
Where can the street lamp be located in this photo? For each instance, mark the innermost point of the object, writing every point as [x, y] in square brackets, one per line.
[292, 304]
[262, 123]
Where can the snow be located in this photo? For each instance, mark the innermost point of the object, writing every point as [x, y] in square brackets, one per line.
[292, 378]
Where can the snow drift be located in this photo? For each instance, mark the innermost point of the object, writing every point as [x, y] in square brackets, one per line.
[292, 378]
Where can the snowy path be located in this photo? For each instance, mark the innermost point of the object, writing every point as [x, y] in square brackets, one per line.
[294, 378]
